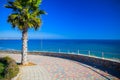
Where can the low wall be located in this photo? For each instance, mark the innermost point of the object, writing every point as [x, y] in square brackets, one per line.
[110, 66]
[86, 59]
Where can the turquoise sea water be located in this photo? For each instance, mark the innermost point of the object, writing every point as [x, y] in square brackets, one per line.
[110, 48]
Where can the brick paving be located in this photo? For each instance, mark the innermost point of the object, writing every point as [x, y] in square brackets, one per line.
[33, 73]
[52, 68]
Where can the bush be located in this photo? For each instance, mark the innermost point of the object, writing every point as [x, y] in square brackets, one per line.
[1, 67]
[11, 69]
[1, 70]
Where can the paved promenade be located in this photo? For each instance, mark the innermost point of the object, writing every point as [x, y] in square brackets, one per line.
[52, 68]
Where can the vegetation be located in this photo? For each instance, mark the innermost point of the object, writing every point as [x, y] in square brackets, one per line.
[1, 70]
[26, 14]
[8, 68]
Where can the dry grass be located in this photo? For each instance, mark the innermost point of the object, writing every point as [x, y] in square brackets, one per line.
[28, 64]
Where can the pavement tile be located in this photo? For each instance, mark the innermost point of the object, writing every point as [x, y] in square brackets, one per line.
[53, 68]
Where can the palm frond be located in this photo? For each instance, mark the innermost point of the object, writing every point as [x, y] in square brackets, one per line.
[42, 12]
[26, 14]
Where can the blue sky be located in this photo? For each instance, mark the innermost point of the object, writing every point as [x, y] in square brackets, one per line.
[71, 19]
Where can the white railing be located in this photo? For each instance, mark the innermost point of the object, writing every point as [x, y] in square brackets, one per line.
[100, 54]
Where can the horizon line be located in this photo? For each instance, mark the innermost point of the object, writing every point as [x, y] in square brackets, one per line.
[54, 39]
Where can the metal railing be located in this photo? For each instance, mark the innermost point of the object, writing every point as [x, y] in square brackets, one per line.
[91, 53]
[99, 54]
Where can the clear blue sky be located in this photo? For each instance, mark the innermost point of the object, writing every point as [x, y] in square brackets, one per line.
[71, 19]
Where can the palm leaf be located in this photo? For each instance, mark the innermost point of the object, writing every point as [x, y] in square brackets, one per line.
[26, 14]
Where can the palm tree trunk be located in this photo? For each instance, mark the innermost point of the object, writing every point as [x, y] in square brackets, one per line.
[24, 47]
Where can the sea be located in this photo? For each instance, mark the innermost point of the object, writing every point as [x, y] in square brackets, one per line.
[99, 48]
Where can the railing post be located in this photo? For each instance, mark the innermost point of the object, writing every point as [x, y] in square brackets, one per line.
[78, 52]
[59, 50]
[89, 52]
[102, 54]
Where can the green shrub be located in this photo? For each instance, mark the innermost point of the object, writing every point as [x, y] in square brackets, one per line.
[7, 60]
[11, 69]
[1, 70]
[1, 67]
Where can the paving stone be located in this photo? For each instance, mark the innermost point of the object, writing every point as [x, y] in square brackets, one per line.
[52, 68]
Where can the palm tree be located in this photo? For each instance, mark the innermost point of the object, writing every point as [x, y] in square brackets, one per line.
[26, 14]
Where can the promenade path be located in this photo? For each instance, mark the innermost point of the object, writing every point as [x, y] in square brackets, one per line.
[53, 68]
